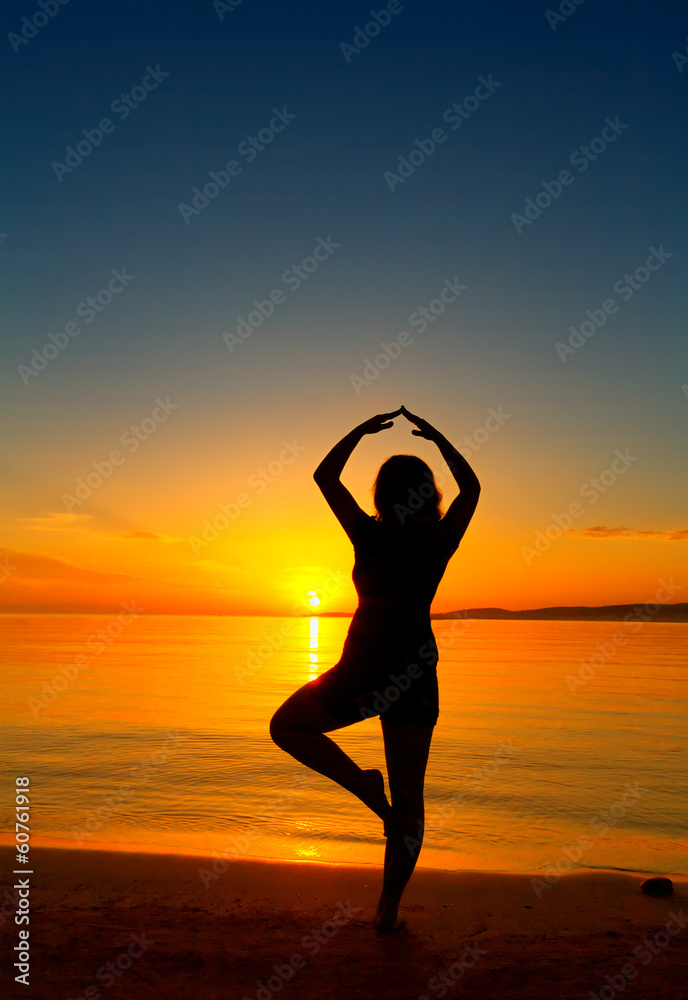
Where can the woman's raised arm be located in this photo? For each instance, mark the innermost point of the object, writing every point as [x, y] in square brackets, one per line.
[343, 505]
[462, 508]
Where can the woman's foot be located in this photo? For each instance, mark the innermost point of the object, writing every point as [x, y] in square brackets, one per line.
[375, 798]
[386, 916]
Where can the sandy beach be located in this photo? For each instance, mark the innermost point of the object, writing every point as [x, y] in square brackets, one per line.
[141, 925]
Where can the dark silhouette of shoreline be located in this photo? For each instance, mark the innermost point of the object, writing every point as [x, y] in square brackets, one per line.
[604, 613]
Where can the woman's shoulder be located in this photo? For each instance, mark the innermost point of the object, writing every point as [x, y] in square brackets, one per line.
[442, 528]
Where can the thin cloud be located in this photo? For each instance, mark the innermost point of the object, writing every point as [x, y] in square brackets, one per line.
[56, 521]
[149, 536]
[33, 567]
[62, 521]
[217, 567]
[601, 531]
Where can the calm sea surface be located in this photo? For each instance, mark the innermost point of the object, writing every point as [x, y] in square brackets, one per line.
[159, 737]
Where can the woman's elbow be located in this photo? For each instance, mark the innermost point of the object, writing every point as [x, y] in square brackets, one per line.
[471, 489]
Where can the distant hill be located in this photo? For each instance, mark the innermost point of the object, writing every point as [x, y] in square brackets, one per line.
[605, 613]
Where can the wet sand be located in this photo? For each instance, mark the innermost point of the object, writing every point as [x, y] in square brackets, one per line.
[169, 926]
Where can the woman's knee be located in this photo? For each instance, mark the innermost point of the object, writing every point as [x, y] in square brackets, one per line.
[410, 826]
[292, 714]
[407, 799]
[278, 726]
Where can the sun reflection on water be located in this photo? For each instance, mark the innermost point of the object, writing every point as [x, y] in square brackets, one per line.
[313, 646]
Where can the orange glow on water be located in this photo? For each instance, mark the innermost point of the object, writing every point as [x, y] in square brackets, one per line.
[179, 709]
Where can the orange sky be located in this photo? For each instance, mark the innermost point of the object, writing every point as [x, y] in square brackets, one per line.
[146, 532]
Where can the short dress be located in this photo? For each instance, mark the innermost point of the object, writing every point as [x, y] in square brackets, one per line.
[388, 665]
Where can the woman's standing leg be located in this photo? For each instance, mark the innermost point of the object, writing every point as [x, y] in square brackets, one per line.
[406, 749]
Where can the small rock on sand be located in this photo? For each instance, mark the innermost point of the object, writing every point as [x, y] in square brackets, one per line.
[657, 886]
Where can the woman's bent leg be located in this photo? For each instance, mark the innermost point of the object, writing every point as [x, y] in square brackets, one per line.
[299, 726]
[406, 748]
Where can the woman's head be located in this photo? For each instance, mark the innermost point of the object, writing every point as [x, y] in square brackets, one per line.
[405, 489]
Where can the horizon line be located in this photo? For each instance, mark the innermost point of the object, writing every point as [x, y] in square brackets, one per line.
[463, 612]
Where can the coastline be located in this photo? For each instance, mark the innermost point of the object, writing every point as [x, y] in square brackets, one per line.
[233, 932]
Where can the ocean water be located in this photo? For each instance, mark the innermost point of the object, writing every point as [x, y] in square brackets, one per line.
[558, 744]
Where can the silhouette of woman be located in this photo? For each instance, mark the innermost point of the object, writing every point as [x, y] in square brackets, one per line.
[389, 659]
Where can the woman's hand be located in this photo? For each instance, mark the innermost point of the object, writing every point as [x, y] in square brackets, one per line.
[380, 422]
[425, 430]
[330, 469]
